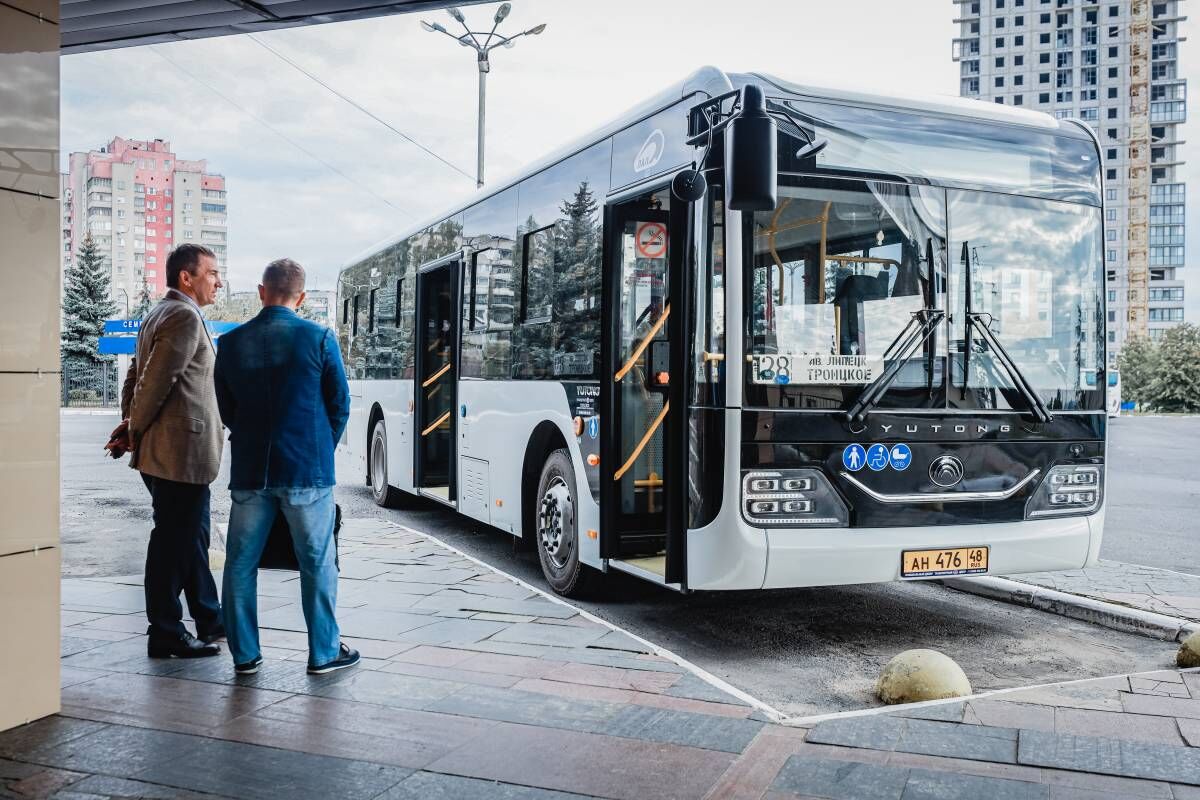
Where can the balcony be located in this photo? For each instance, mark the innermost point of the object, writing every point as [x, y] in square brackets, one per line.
[965, 48]
[1169, 111]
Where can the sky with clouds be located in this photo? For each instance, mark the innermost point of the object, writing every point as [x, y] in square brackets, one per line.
[311, 177]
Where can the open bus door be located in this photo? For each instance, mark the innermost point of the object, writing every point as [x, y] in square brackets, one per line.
[643, 399]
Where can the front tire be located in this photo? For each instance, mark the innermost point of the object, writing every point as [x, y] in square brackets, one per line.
[556, 529]
[385, 496]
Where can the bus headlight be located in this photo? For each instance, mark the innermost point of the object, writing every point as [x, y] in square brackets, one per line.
[1067, 489]
[791, 498]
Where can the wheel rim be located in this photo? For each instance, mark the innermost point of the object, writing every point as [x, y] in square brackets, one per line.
[556, 523]
[378, 465]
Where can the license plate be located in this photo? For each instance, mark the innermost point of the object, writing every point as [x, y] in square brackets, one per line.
[950, 561]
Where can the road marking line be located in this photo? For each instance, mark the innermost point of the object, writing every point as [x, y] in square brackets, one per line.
[701, 673]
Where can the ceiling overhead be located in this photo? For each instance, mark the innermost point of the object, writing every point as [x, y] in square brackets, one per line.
[88, 25]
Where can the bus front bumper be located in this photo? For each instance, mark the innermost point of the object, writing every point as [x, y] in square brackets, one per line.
[735, 555]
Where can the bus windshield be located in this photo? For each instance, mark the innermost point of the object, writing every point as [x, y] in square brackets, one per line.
[842, 271]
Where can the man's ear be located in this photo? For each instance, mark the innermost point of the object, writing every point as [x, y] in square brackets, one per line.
[262, 294]
[300, 299]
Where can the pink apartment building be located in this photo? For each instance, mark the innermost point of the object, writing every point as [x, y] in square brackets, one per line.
[138, 201]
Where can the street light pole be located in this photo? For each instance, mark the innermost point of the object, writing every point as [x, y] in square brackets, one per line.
[471, 39]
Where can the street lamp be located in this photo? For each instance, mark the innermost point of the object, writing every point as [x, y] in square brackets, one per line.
[126, 294]
[472, 39]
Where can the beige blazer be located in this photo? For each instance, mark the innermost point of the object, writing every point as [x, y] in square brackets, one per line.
[169, 397]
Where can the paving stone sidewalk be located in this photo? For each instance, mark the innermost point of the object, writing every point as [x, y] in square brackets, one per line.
[475, 686]
[1162, 591]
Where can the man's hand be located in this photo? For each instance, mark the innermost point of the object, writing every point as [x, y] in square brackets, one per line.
[119, 442]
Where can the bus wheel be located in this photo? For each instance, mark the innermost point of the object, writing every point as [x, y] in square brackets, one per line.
[557, 529]
[384, 495]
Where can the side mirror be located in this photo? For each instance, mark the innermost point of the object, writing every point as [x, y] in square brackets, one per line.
[752, 159]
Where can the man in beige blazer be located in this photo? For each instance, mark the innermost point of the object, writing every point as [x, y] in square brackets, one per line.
[175, 438]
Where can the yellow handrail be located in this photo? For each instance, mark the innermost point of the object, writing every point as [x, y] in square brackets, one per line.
[432, 427]
[637, 451]
[641, 348]
[429, 381]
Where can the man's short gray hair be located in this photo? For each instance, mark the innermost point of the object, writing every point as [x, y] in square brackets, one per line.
[283, 279]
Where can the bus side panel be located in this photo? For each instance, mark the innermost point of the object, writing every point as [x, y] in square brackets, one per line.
[728, 553]
[354, 440]
[394, 398]
[500, 418]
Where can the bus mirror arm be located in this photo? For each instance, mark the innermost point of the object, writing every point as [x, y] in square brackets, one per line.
[901, 348]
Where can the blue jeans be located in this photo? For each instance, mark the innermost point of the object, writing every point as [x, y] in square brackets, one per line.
[310, 515]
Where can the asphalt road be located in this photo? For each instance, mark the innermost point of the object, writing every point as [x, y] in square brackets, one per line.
[803, 651]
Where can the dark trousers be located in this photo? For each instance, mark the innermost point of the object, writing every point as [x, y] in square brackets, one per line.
[177, 560]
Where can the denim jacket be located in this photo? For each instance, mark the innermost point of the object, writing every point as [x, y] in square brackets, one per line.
[282, 393]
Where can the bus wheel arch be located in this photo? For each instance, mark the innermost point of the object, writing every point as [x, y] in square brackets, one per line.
[543, 441]
[384, 495]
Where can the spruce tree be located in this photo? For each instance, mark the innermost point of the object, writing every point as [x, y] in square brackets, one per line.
[1138, 363]
[1176, 384]
[145, 302]
[86, 305]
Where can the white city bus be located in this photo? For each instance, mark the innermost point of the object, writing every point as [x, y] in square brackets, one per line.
[755, 334]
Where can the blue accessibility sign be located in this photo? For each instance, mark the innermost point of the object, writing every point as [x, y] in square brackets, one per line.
[853, 457]
[901, 457]
[877, 457]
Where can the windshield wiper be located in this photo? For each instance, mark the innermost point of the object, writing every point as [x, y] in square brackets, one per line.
[975, 320]
[1036, 406]
[919, 328]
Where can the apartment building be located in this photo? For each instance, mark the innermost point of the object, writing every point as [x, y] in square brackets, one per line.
[1113, 64]
[138, 200]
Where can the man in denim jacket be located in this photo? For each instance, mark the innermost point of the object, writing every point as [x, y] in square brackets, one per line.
[282, 393]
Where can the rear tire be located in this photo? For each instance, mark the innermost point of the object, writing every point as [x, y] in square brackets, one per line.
[556, 529]
[384, 495]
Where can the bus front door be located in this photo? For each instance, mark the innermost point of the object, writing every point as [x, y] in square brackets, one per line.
[436, 379]
[642, 455]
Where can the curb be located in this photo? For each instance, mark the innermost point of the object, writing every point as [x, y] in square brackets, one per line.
[94, 412]
[1085, 609]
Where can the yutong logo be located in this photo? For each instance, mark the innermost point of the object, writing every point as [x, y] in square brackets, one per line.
[976, 428]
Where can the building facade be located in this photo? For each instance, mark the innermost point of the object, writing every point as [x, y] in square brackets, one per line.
[1113, 64]
[138, 201]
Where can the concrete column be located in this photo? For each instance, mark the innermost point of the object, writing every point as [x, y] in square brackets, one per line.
[30, 278]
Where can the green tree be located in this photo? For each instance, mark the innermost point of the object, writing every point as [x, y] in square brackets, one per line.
[145, 302]
[1176, 383]
[86, 305]
[1138, 363]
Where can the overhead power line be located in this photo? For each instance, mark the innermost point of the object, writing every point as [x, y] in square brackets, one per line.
[358, 105]
[277, 132]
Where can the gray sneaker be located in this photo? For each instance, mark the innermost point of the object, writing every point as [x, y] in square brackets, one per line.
[347, 657]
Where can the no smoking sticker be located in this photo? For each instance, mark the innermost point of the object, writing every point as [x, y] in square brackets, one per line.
[651, 240]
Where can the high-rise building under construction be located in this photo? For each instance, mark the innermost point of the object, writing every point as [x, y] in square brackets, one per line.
[1112, 64]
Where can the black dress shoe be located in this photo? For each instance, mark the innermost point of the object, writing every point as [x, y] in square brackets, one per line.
[186, 646]
[214, 637]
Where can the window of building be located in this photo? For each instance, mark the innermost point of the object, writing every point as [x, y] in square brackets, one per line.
[999, 81]
[1044, 97]
[1112, 133]
[1111, 215]
[1018, 80]
[1112, 295]
[1018, 61]
[1112, 113]
[1044, 19]
[999, 42]
[1043, 58]
[1043, 38]
[1043, 77]
[1111, 154]
[1110, 175]
[1064, 60]
[1112, 92]
[371, 311]
[1088, 114]
[974, 27]
[1114, 11]
[1018, 100]
[1112, 256]
[1018, 41]
[1112, 72]
[1000, 100]
[1018, 21]
[999, 61]
[999, 23]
